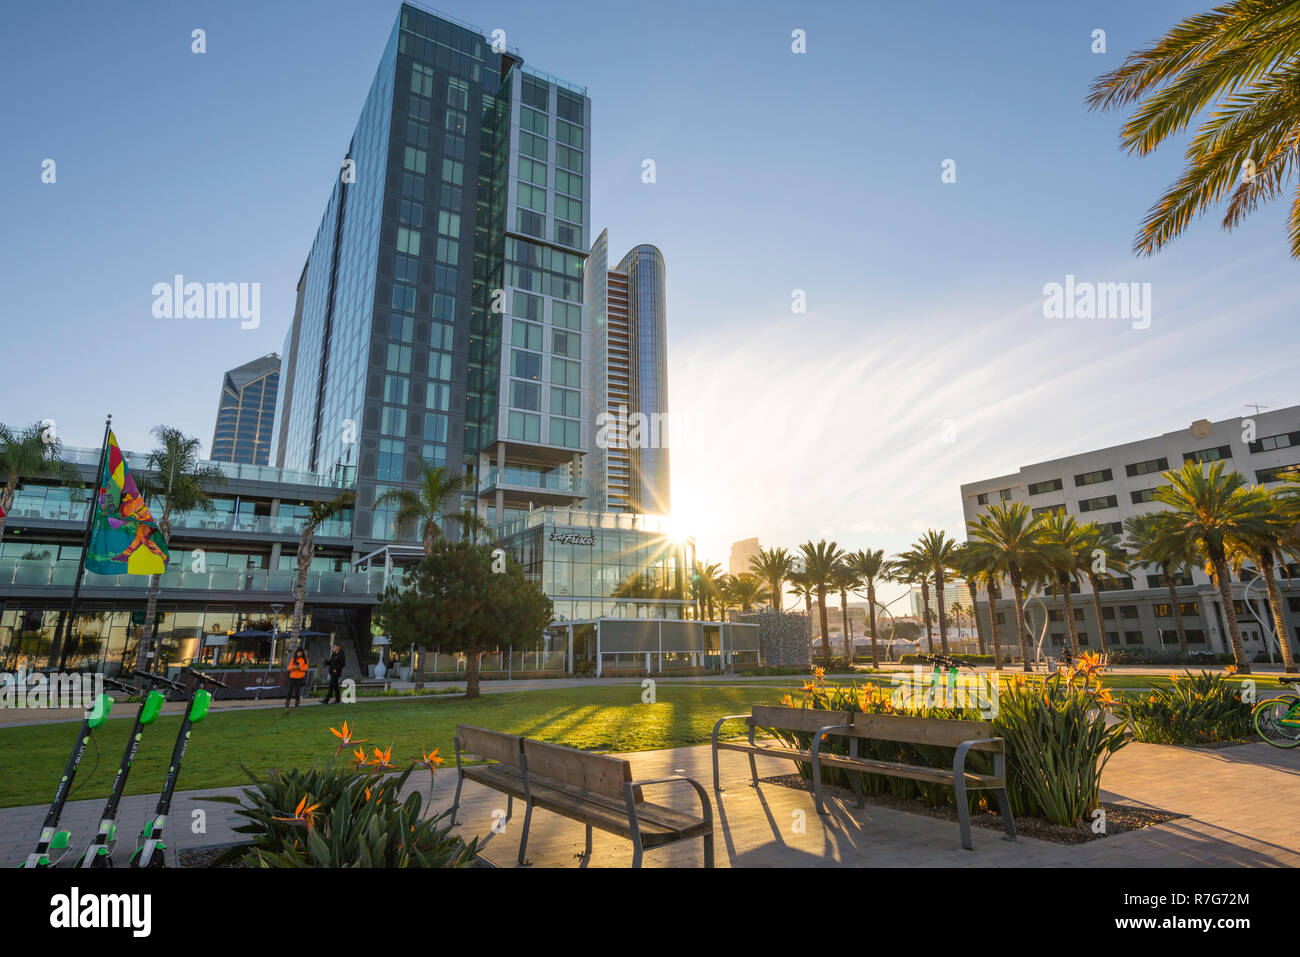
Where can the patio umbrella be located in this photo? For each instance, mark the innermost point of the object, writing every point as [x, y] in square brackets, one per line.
[251, 633]
[311, 634]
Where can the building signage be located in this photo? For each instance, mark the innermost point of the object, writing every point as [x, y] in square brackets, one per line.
[572, 538]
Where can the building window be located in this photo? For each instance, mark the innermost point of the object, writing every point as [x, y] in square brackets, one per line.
[1094, 504]
[982, 499]
[524, 426]
[1092, 478]
[564, 432]
[525, 335]
[389, 463]
[1271, 442]
[525, 365]
[1051, 485]
[1276, 474]
[1046, 510]
[526, 395]
[1005, 495]
[1143, 495]
[1147, 468]
[1208, 455]
[393, 421]
[565, 402]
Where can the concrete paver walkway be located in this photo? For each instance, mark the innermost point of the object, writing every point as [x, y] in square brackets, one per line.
[1239, 801]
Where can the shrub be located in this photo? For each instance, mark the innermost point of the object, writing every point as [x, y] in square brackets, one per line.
[1197, 709]
[339, 817]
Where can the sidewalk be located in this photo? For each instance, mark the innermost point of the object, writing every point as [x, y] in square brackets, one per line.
[1239, 801]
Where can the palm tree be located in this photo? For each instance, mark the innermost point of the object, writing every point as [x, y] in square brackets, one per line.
[802, 586]
[30, 453]
[426, 506]
[1154, 540]
[845, 579]
[938, 550]
[911, 568]
[1014, 536]
[745, 590]
[1213, 511]
[1064, 547]
[869, 566]
[707, 578]
[1263, 547]
[318, 513]
[981, 563]
[175, 476]
[774, 566]
[473, 526]
[820, 560]
[1236, 67]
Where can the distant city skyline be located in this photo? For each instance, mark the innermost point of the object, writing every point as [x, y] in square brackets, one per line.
[924, 358]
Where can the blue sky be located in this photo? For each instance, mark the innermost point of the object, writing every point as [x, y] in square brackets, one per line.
[775, 172]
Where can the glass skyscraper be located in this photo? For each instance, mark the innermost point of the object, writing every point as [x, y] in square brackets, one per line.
[440, 309]
[627, 469]
[246, 412]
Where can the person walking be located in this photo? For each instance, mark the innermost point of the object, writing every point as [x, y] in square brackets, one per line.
[297, 677]
[335, 664]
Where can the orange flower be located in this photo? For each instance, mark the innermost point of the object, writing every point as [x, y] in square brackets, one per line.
[787, 701]
[302, 816]
[1174, 678]
[431, 760]
[1103, 697]
[344, 736]
[360, 756]
[819, 674]
[383, 759]
[1230, 670]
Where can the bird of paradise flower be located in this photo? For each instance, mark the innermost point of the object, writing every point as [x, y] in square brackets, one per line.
[430, 761]
[303, 816]
[345, 737]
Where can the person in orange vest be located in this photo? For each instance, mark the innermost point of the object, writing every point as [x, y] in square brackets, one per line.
[298, 666]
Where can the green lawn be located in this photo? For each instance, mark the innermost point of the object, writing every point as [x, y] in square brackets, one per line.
[595, 718]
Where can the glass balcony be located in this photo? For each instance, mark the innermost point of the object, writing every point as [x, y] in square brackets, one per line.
[138, 462]
[180, 576]
[531, 479]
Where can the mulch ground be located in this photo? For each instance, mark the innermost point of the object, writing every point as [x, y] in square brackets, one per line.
[1119, 817]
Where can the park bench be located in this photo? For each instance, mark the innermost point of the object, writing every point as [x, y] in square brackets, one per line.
[964, 736]
[595, 789]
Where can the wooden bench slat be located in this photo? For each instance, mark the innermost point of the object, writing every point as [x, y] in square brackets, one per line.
[492, 745]
[942, 732]
[916, 772]
[796, 719]
[597, 773]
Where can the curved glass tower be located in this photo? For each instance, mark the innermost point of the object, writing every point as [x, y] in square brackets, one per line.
[627, 468]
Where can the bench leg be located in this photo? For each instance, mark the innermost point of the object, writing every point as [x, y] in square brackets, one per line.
[455, 801]
[587, 853]
[963, 812]
[510, 806]
[523, 840]
[817, 786]
[753, 771]
[708, 849]
[717, 786]
[1008, 822]
[854, 777]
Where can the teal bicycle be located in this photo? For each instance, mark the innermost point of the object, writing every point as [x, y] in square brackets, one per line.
[1278, 719]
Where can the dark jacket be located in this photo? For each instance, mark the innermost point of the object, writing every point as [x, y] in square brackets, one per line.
[335, 662]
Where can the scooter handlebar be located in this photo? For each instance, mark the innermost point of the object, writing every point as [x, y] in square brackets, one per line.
[208, 678]
[160, 679]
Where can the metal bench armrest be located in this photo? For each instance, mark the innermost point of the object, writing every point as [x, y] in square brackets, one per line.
[963, 749]
[732, 717]
[822, 732]
[705, 804]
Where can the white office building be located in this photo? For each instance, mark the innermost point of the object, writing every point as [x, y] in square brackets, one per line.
[1109, 485]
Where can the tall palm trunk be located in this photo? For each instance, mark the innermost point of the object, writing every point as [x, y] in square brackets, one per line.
[1275, 602]
[1177, 609]
[925, 603]
[974, 612]
[821, 615]
[151, 604]
[871, 610]
[305, 543]
[848, 635]
[1095, 583]
[1222, 579]
[1018, 593]
[7, 501]
[943, 626]
[1071, 639]
[995, 595]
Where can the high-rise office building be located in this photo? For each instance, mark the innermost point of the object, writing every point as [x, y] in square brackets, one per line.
[441, 303]
[627, 467]
[741, 552]
[246, 412]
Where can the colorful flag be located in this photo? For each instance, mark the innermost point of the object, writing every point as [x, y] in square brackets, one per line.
[125, 539]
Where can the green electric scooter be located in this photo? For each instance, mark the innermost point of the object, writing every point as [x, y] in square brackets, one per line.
[52, 839]
[150, 850]
[100, 851]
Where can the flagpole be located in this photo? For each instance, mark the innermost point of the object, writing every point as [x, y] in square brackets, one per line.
[85, 542]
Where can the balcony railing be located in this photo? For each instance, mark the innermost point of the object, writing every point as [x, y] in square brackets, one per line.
[181, 576]
[531, 479]
[213, 521]
[137, 462]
